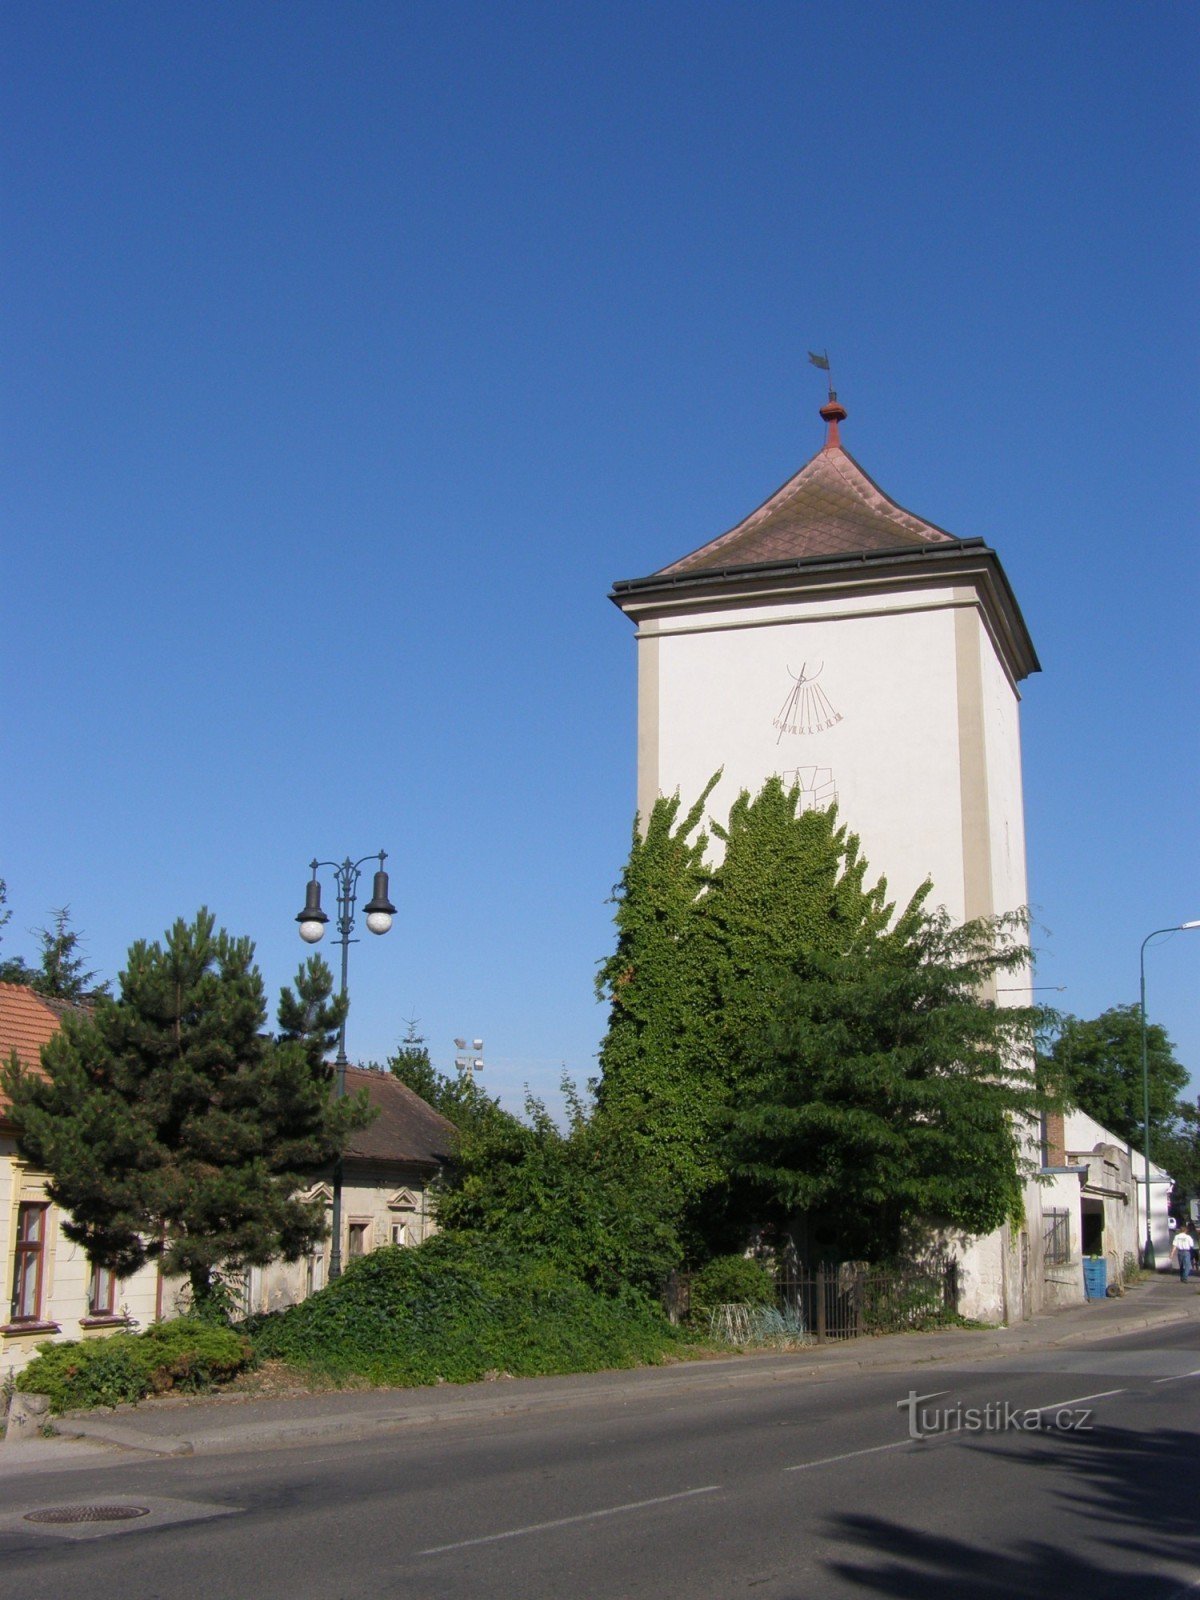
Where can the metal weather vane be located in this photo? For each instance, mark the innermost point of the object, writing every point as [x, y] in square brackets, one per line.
[822, 361]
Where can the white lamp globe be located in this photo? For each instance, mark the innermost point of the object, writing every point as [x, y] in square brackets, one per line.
[312, 932]
[379, 921]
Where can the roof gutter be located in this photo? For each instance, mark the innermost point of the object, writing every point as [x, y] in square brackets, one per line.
[697, 577]
[628, 594]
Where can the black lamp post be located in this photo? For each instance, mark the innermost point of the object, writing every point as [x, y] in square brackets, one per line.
[1148, 1261]
[379, 912]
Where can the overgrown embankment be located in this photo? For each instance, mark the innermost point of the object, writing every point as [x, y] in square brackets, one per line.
[456, 1309]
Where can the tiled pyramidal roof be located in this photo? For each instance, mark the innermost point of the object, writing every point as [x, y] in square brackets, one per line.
[830, 508]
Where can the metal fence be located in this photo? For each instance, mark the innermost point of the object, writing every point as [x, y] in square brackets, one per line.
[830, 1302]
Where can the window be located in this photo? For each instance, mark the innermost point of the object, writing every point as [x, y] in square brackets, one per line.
[358, 1240]
[1056, 1238]
[27, 1267]
[102, 1296]
[398, 1233]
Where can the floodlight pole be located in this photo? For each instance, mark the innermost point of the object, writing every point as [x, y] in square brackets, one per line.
[470, 1056]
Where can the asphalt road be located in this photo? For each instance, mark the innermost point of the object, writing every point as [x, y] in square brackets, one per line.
[781, 1492]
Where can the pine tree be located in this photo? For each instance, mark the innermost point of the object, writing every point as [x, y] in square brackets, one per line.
[62, 974]
[174, 1127]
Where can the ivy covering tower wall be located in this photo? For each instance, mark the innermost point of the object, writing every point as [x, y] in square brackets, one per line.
[782, 1044]
[700, 951]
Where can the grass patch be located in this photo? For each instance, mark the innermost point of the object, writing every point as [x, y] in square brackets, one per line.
[456, 1310]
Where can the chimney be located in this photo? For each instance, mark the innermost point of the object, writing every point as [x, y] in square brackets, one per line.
[1054, 1140]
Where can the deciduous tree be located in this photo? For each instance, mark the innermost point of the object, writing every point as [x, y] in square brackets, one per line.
[12, 968]
[460, 1099]
[884, 1088]
[1100, 1059]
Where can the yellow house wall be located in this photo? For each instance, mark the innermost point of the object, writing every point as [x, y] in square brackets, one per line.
[66, 1274]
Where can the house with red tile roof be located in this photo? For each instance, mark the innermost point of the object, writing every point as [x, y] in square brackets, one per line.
[54, 1292]
[51, 1289]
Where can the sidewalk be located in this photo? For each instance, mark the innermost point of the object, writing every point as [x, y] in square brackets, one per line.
[212, 1424]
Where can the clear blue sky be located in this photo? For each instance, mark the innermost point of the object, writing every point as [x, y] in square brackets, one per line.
[351, 352]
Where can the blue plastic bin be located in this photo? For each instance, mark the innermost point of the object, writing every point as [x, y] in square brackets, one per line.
[1095, 1277]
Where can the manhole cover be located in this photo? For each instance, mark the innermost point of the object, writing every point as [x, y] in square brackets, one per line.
[88, 1514]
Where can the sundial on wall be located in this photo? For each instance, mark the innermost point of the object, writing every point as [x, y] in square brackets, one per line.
[807, 708]
[818, 791]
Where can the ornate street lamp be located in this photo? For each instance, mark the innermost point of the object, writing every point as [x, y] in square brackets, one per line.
[379, 912]
[1148, 1261]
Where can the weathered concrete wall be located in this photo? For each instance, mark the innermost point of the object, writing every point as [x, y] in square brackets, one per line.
[381, 1205]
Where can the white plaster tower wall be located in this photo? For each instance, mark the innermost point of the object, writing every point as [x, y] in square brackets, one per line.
[892, 758]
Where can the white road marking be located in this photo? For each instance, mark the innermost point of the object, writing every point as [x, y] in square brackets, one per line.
[1060, 1405]
[563, 1522]
[1176, 1379]
[950, 1433]
[874, 1450]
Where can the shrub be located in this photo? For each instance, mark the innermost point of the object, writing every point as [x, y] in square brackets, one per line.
[126, 1367]
[457, 1309]
[191, 1354]
[733, 1280]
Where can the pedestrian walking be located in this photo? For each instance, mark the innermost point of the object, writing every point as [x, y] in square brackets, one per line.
[1183, 1250]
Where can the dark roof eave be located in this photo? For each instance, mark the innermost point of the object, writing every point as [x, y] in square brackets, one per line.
[924, 555]
[429, 1163]
[696, 576]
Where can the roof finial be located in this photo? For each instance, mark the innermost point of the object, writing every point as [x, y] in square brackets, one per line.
[832, 412]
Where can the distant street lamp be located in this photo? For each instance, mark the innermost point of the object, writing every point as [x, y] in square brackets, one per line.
[379, 912]
[1148, 1261]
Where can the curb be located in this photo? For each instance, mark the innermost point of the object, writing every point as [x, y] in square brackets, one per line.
[359, 1425]
[1162, 1319]
[162, 1444]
